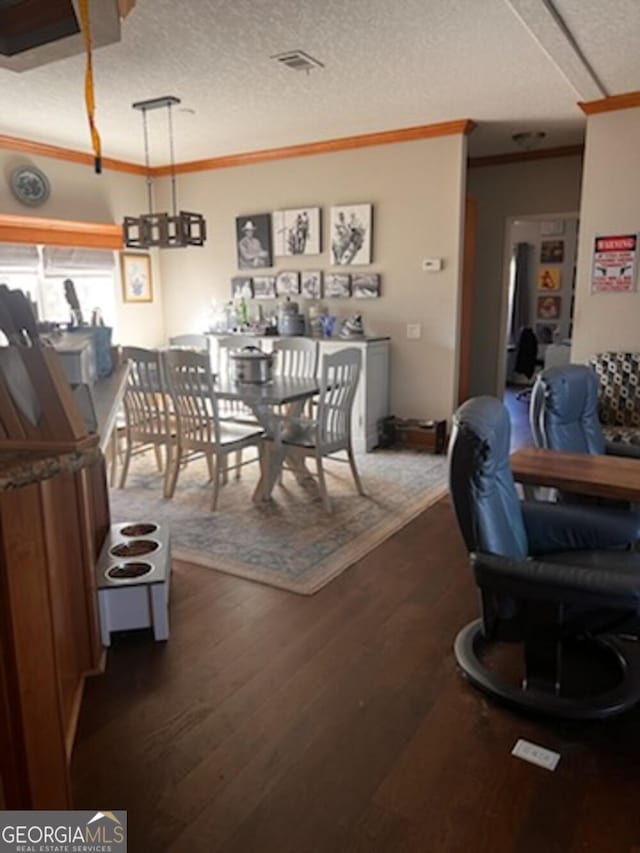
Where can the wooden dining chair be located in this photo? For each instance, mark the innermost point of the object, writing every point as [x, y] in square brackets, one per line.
[330, 432]
[199, 343]
[147, 421]
[200, 432]
[295, 357]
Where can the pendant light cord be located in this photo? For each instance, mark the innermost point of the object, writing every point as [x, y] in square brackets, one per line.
[88, 85]
[172, 158]
[149, 179]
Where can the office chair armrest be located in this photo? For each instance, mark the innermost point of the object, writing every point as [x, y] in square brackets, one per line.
[571, 527]
[621, 448]
[616, 585]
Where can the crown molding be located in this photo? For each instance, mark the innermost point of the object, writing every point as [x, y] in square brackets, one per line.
[70, 155]
[326, 146]
[524, 156]
[606, 105]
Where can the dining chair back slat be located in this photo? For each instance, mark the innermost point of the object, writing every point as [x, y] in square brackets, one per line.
[338, 385]
[295, 357]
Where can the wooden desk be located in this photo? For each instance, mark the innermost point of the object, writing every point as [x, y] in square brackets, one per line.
[580, 473]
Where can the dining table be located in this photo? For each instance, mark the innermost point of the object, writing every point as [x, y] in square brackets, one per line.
[276, 404]
[598, 475]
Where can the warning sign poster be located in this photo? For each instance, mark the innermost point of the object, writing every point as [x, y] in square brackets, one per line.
[615, 264]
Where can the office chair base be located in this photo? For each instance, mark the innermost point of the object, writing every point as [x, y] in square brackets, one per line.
[623, 695]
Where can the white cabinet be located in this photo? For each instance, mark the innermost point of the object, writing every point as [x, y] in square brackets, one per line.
[372, 397]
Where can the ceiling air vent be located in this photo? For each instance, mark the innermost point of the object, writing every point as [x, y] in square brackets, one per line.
[298, 60]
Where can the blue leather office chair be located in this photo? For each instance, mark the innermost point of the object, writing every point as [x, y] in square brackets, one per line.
[547, 581]
[564, 413]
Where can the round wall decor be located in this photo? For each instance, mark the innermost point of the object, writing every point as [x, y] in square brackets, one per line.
[30, 185]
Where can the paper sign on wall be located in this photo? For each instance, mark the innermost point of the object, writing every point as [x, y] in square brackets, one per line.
[614, 264]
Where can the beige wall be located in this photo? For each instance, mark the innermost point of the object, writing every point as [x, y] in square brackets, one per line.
[610, 205]
[416, 188]
[516, 189]
[77, 193]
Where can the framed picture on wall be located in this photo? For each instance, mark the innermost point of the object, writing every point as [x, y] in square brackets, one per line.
[350, 229]
[297, 231]
[241, 287]
[136, 277]
[264, 286]
[549, 278]
[549, 307]
[311, 284]
[552, 252]
[287, 283]
[337, 286]
[365, 285]
[253, 241]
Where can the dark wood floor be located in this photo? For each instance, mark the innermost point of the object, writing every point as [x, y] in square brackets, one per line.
[272, 722]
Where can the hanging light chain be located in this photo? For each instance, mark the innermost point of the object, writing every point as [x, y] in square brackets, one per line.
[172, 159]
[149, 179]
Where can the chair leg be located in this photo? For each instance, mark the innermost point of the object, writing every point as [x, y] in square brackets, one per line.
[158, 453]
[168, 471]
[125, 464]
[354, 471]
[173, 480]
[238, 463]
[323, 486]
[112, 458]
[210, 466]
[219, 464]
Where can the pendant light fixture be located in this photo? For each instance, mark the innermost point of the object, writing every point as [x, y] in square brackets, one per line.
[174, 230]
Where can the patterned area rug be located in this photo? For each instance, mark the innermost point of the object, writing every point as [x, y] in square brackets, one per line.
[289, 542]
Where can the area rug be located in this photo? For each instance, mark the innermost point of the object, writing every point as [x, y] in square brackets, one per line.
[289, 542]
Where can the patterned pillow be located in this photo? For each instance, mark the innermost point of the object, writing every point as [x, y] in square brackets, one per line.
[619, 376]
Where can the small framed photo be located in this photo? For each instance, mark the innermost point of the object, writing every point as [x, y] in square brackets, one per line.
[297, 231]
[241, 286]
[136, 277]
[549, 278]
[264, 287]
[311, 284]
[253, 241]
[365, 286]
[552, 252]
[549, 307]
[337, 286]
[350, 228]
[287, 283]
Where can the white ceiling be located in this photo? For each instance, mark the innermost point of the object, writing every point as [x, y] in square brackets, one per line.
[388, 64]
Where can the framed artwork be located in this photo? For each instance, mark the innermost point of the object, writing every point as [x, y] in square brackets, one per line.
[264, 287]
[311, 284]
[549, 307]
[253, 241]
[549, 278]
[287, 283]
[297, 231]
[241, 286]
[350, 228]
[552, 252]
[136, 277]
[365, 286]
[337, 286]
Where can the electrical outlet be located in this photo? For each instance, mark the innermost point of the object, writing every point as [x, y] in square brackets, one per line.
[536, 754]
[414, 331]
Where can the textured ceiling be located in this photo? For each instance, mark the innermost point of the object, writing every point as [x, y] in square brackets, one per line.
[388, 65]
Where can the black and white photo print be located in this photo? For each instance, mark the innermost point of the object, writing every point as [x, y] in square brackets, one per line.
[287, 283]
[241, 286]
[351, 234]
[264, 287]
[297, 231]
[365, 285]
[253, 236]
[311, 284]
[337, 286]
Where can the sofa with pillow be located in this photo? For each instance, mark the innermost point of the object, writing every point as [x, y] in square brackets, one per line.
[619, 396]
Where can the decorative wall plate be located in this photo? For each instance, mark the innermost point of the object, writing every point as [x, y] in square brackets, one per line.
[30, 185]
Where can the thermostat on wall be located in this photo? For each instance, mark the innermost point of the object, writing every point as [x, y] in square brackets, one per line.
[432, 264]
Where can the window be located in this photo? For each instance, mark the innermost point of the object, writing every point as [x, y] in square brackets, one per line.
[41, 270]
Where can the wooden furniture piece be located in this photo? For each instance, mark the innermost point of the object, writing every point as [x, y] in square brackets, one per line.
[580, 473]
[54, 516]
[371, 402]
[148, 424]
[330, 431]
[199, 429]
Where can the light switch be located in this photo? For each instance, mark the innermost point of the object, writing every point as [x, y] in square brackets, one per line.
[414, 331]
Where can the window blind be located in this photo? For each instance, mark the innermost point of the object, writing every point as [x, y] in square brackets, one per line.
[63, 260]
[18, 256]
